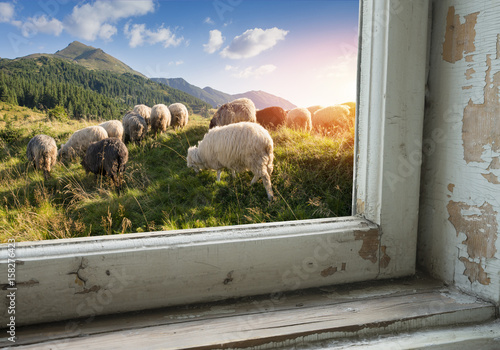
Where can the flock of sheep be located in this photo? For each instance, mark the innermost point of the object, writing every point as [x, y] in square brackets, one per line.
[237, 138]
[101, 148]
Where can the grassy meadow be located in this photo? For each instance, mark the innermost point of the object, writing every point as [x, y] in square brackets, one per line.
[312, 178]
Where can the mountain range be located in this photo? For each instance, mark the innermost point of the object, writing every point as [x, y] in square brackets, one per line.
[96, 59]
[215, 97]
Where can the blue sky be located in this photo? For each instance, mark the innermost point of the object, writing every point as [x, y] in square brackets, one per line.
[303, 50]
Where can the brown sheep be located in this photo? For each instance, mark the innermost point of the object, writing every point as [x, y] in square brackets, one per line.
[271, 117]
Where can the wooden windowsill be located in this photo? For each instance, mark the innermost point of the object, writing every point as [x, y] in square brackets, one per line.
[338, 312]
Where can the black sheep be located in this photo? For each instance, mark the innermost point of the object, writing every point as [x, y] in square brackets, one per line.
[107, 157]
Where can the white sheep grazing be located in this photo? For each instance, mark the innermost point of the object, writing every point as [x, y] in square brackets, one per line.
[179, 115]
[238, 147]
[42, 153]
[144, 111]
[114, 128]
[134, 127]
[78, 143]
[314, 108]
[332, 118]
[239, 110]
[160, 118]
[299, 118]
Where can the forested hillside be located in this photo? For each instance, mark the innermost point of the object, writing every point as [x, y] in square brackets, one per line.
[46, 82]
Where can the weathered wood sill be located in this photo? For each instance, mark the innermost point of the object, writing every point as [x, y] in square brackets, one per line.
[288, 320]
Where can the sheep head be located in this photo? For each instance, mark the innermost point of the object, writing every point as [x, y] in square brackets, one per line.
[193, 159]
[215, 119]
[138, 133]
[66, 154]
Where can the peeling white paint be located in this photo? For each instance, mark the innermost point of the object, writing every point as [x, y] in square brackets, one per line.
[464, 102]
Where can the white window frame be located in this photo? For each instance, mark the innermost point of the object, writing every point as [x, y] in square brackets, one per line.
[83, 277]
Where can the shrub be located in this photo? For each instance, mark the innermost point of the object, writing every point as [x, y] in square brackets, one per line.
[11, 134]
[57, 113]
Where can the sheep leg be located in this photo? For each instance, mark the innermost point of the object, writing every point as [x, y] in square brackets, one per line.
[116, 180]
[254, 180]
[267, 184]
[259, 173]
[218, 175]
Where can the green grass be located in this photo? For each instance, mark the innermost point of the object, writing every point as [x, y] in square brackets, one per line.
[312, 178]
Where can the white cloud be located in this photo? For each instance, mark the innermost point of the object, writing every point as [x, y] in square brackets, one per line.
[215, 42]
[41, 24]
[208, 20]
[6, 12]
[176, 63]
[107, 31]
[252, 42]
[138, 35]
[92, 21]
[251, 72]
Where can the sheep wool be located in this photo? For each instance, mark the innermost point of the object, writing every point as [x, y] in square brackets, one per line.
[239, 110]
[238, 147]
[352, 108]
[271, 117]
[134, 127]
[313, 109]
[332, 118]
[42, 153]
[107, 157]
[299, 118]
[144, 111]
[114, 128]
[179, 115]
[160, 118]
[77, 144]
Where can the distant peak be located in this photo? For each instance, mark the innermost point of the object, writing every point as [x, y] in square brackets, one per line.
[77, 43]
